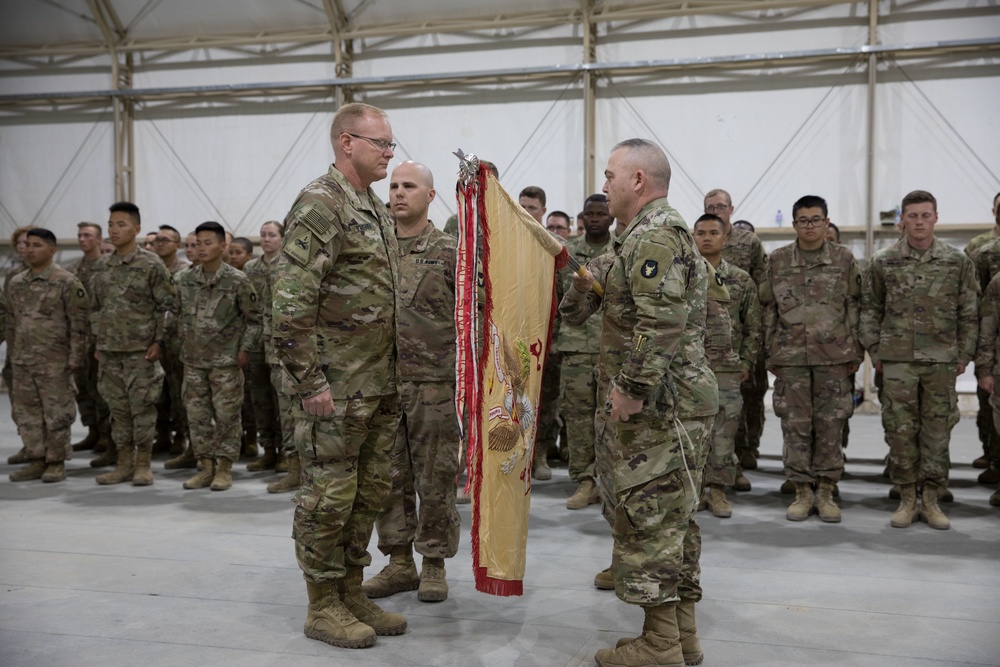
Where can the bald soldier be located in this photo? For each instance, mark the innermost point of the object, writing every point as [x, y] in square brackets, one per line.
[334, 326]
[425, 452]
[662, 396]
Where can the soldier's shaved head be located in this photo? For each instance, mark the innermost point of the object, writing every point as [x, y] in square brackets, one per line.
[418, 171]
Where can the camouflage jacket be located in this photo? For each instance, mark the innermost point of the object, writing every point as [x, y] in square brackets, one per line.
[83, 269]
[811, 307]
[47, 318]
[986, 259]
[218, 318]
[989, 332]
[744, 250]
[426, 335]
[745, 315]
[718, 324]
[132, 302]
[451, 226]
[260, 272]
[178, 266]
[979, 242]
[655, 287]
[587, 336]
[334, 303]
[920, 308]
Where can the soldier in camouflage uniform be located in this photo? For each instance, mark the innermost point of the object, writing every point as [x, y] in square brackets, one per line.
[662, 398]
[18, 240]
[46, 330]
[987, 357]
[744, 250]
[811, 303]
[578, 346]
[919, 323]
[732, 345]
[218, 326]
[132, 306]
[334, 332]
[425, 453]
[93, 410]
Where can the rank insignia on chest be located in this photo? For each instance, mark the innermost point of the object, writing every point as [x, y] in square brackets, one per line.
[650, 268]
[718, 279]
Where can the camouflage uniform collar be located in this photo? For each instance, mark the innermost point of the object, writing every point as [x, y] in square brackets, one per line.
[642, 216]
[423, 239]
[354, 197]
[581, 243]
[44, 275]
[115, 258]
[937, 250]
[799, 255]
[202, 277]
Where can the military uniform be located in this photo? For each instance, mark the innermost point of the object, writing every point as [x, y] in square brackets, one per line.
[732, 346]
[651, 349]
[175, 412]
[986, 352]
[334, 327]
[218, 319]
[811, 306]
[132, 303]
[425, 452]
[263, 393]
[579, 347]
[985, 254]
[46, 329]
[919, 320]
[93, 409]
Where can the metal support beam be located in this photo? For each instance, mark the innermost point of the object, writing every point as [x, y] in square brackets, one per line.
[866, 374]
[343, 50]
[589, 97]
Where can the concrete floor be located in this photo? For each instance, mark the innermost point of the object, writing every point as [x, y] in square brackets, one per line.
[121, 575]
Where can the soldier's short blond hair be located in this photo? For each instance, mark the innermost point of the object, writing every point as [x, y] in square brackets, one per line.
[918, 197]
[19, 232]
[93, 225]
[719, 191]
[349, 115]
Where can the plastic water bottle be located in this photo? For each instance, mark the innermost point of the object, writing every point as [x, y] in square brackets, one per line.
[779, 219]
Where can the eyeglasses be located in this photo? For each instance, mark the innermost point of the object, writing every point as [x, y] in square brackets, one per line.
[809, 222]
[717, 208]
[557, 228]
[380, 144]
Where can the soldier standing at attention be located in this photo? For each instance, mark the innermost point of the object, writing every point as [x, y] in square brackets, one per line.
[166, 245]
[46, 332]
[425, 453]
[811, 304]
[334, 332]
[987, 366]
[920, 324]
[579, 347]
[732, 353]
[744, 251]
[662, 398]
[132, 305]
[218, 326]
[19, 240]
[93, 410]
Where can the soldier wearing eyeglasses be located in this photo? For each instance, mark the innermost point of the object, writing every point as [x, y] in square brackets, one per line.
[811, 305]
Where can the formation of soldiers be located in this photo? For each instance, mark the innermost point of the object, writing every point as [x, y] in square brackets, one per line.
[333, 352]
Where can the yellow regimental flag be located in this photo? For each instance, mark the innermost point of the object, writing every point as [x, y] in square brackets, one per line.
[504, 309]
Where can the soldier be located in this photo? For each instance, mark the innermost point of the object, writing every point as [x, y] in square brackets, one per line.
[150, 243]
[171, 412]
[919, 324]
[744, 251]
[811, 303]
[218, 325]
[93, 410]
[425, 453]
[732, 345]
[662, 398]
[132, 301]
[240, 252]
[987, 366]
[334, 332]
[46, 329]
[578, 346]
[832, 233]
[19, 240]
[191, 249]
[558, 223]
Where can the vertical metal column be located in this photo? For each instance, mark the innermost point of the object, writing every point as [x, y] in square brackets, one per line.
[870, 208]
[589, 97]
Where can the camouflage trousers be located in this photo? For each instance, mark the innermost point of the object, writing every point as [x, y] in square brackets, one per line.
[345, 482]
[919, 410]
[42, 402]
[130, 385]
[214, 399]
[989, 432]
[548, 417]
[92, 408]
[286, 422]
[813, 402]
[751, 425]
[657, 542]
[578, 403]
[722, 461]
[424, 464]
[264, 401]
[171, 412]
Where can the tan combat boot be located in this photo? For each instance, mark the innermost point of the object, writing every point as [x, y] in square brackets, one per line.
[20, 457]
[433, 585]
[281, 463]
[540, 470]
[995, 498]
[803, 503]
[35, 470]
[398, 576]
[364, 609]
[186, 459]
[718, 504]
[329, 621]
[54, 472]
[827, 508]
[929, 509]
[292, 479]
[223, 478]
[741, 483]
[143, 475]
[205, 475]
[108, 457]
[586, 494]
[687, 630]
[658, 646]
[123, 469]
[88, 442]
[907, 510]
[604, 580]
[266, 462]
